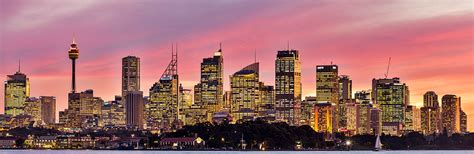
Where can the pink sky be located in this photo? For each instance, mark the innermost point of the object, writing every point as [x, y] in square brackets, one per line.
[430, 42]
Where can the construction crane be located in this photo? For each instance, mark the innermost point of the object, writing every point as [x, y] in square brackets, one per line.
[388, 67]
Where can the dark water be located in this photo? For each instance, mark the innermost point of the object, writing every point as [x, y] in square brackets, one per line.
[224, 152]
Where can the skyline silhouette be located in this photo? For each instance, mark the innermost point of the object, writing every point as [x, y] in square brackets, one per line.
[430, 51]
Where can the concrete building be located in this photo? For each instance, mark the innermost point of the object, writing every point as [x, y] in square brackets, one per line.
[48, 109]
[134, 109]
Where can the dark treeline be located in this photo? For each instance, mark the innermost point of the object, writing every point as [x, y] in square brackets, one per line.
[274, 136]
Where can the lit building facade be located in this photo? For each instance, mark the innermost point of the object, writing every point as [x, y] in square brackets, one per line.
[430, 120]
[430, 99]
[463, 122]
[363, 117]
[327, 90]
[266, 109]
[451, 113]
[307, 111]
[245, 88]
[212, 83]
[288, 86]
[33, 109]
[323, 116]
[430, 114]
[392, 97]
[113, 114]
[412, 119]
[163, 106]
[130, 74]
[17, 90]
[345, 87]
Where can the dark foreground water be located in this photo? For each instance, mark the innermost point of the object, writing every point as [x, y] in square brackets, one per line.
[225, 152]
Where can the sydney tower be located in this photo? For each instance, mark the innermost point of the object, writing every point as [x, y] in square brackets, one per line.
[73, 55]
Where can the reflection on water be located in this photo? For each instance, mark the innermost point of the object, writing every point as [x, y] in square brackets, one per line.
[217, 152]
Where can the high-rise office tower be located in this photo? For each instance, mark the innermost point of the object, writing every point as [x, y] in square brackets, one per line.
[48, 109]
[430, 99]
[266, 109]
[17, 90]
[163, 107]
[288, 86]
[430, 114]
[327, 90]
[463, 122]
[345, 88]
[392, 97]
[323, 117]
[430, 120]
[327, 84]
[33, 109]
[375, 121]
[307, 111]
[363, 117]
[134, 106]
[244, 86]
[412, 119]
[212, 83]
[451, 113]
[130, 74]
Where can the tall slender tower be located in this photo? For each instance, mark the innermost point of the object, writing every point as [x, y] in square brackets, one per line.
[73, 55]
[288, 86]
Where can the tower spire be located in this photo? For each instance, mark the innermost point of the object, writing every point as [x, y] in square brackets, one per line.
[19, 65]
[220, 46]
[255, 55]
[73, 38]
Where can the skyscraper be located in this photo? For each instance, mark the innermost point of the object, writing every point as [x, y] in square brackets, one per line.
[412, 119]
[430, 114]
[430, 99]
[82, 107]
[392, 97]
[327, 84]
[451, 113]
[288, 86]
[430, 120]
[48, 109]
[33, 109]
[134, 106]
[212, 83]
[345, 88]
[244, 86]
[266, 110]
[463, 122]
[17, 90]
[327, 90]
[163, 107]
[130, 74]
[323, 117]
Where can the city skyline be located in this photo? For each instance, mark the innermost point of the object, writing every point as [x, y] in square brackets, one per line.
[418, 62]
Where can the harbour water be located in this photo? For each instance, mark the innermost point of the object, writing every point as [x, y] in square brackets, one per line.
[228, 152]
